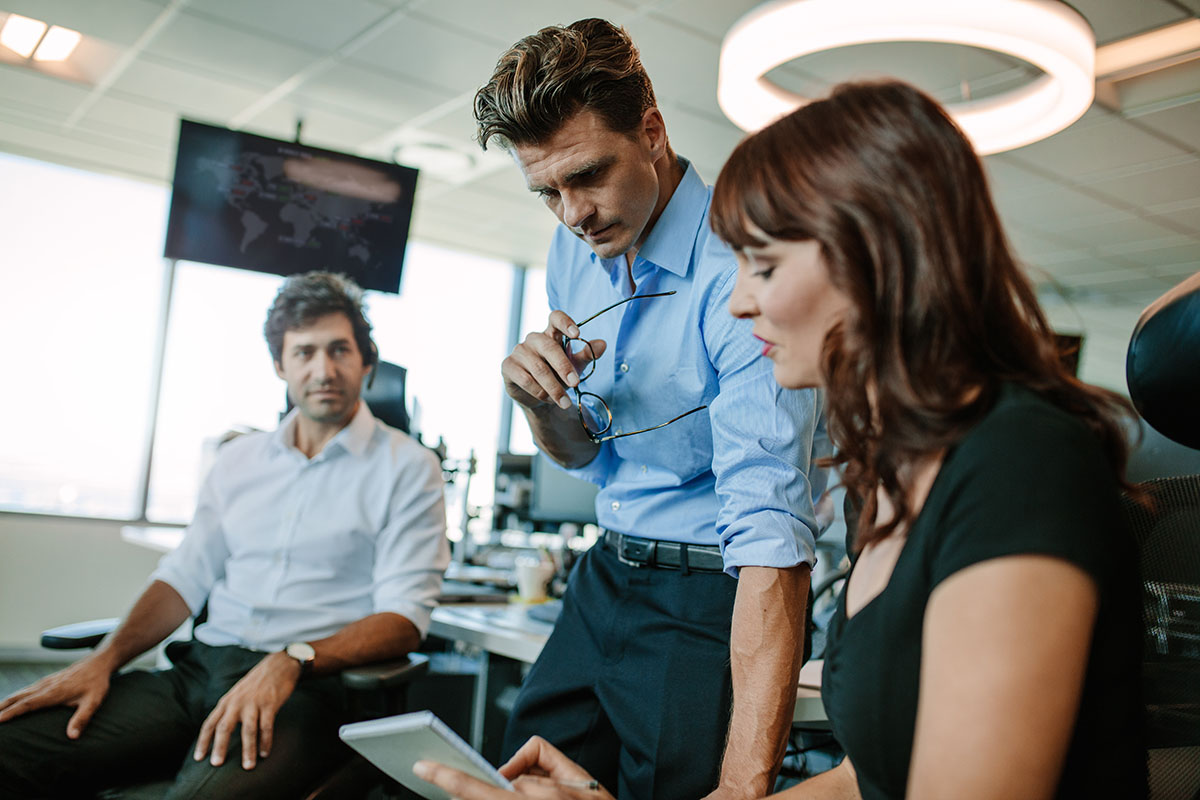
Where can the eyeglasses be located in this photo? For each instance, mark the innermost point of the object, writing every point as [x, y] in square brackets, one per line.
[597, 428]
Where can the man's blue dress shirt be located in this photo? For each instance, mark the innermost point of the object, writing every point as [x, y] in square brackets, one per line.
[739, 473]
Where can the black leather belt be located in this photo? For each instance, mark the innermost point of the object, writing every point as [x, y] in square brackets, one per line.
[639, 552]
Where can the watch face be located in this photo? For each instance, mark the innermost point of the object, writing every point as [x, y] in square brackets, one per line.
[301, 651]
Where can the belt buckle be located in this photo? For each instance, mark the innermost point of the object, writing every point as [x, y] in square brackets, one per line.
[630, 550]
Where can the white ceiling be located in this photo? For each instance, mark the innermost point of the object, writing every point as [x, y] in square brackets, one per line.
[1106, 213]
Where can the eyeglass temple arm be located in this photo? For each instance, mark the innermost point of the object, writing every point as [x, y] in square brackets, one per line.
[599, 439]
[623, 302]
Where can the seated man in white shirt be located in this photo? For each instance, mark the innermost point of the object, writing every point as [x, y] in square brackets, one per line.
[316, 547]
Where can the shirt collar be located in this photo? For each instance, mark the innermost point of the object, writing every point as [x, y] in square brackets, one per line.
[673, 237]
[353, 438]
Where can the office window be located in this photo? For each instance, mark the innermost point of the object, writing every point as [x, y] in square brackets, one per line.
[447, 327]
[217, 376]
[79, 311]
[535, 309]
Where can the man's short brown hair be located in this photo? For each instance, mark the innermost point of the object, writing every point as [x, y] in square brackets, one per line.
[546, 78]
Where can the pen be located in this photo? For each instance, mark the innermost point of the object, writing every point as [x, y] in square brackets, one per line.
[590, 785]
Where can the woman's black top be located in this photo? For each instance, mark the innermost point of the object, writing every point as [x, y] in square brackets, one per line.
[1028, 479]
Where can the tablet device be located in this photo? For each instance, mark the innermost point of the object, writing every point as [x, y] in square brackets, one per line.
[394, 744]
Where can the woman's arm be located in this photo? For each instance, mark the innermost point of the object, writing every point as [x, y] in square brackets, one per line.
[1005, 647]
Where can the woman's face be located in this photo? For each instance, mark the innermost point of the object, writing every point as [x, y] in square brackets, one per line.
[783, 287]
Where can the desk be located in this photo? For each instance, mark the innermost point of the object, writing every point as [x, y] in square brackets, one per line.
[506, 630]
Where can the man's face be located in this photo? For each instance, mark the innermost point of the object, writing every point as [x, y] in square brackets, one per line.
[324, 369]
[599, 183]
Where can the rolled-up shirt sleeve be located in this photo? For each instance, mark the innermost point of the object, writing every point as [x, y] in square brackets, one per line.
[765, 441]
[193, 568]
[411, 552]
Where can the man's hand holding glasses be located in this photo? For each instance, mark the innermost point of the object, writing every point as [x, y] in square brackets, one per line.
[539, 372]
[547, 366]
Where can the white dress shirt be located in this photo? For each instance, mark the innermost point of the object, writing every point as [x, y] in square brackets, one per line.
[284, 548]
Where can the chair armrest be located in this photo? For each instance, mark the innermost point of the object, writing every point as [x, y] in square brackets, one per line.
[386, 674]
[78, 635]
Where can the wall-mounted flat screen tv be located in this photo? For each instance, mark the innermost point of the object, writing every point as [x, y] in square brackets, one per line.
[246, 201]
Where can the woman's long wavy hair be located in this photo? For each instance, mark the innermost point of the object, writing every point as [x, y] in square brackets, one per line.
[941, 314]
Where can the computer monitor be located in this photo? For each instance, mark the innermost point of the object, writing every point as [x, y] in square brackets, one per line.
[246, 201]
[560, 497]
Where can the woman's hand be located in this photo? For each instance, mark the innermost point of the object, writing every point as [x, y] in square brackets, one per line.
[538, 770]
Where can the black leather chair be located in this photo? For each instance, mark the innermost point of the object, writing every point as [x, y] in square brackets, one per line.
[1163, 372]
[1168, 534]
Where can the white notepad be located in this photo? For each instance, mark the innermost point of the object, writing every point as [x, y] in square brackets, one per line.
[394, 744]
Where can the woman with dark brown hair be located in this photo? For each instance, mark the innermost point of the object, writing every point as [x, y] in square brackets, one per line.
[988, 642]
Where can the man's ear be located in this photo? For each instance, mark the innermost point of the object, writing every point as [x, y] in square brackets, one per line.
[279, 370]
[654, 129]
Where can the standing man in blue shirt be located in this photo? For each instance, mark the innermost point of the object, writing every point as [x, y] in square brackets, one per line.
[672, 670]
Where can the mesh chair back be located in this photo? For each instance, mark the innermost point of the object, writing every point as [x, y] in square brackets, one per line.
[1168, 537]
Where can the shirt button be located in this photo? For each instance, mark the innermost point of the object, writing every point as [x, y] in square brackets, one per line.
[616, 505]
[624, 367]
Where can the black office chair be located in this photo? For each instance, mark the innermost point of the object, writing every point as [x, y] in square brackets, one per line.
[1168, 535]
[1162, 369]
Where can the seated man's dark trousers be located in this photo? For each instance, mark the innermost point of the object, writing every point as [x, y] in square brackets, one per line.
[146, 730]
[634, 683]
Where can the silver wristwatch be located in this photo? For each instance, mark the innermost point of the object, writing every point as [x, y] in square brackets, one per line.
[304, 653]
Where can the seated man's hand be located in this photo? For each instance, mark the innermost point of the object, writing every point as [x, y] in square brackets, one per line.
[538, 770]
[252, 703]
[81, 686]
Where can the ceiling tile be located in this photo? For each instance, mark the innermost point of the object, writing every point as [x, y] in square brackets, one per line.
[1154, 187]
[691, 81]
[1052, 210]
[1181, 123]
[1186, 218]
[371, 94]
[1148, 255]
[322, 128]
[1114, 231]
[1009, 180]
[457, 124]
[1117, 20]
[426, 52]
[1077, 152]
[1174, 273]
[712, 17]
[701, 139]
[193, 94]
[31, 92]
[117, 21]
[86, 150]
[520, 19]
[224, 49]
[155, 124]
[306, 22]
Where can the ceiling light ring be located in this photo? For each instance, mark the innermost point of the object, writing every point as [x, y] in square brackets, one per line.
[1045, 33]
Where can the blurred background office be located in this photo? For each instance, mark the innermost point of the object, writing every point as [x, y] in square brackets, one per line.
[121, 367]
